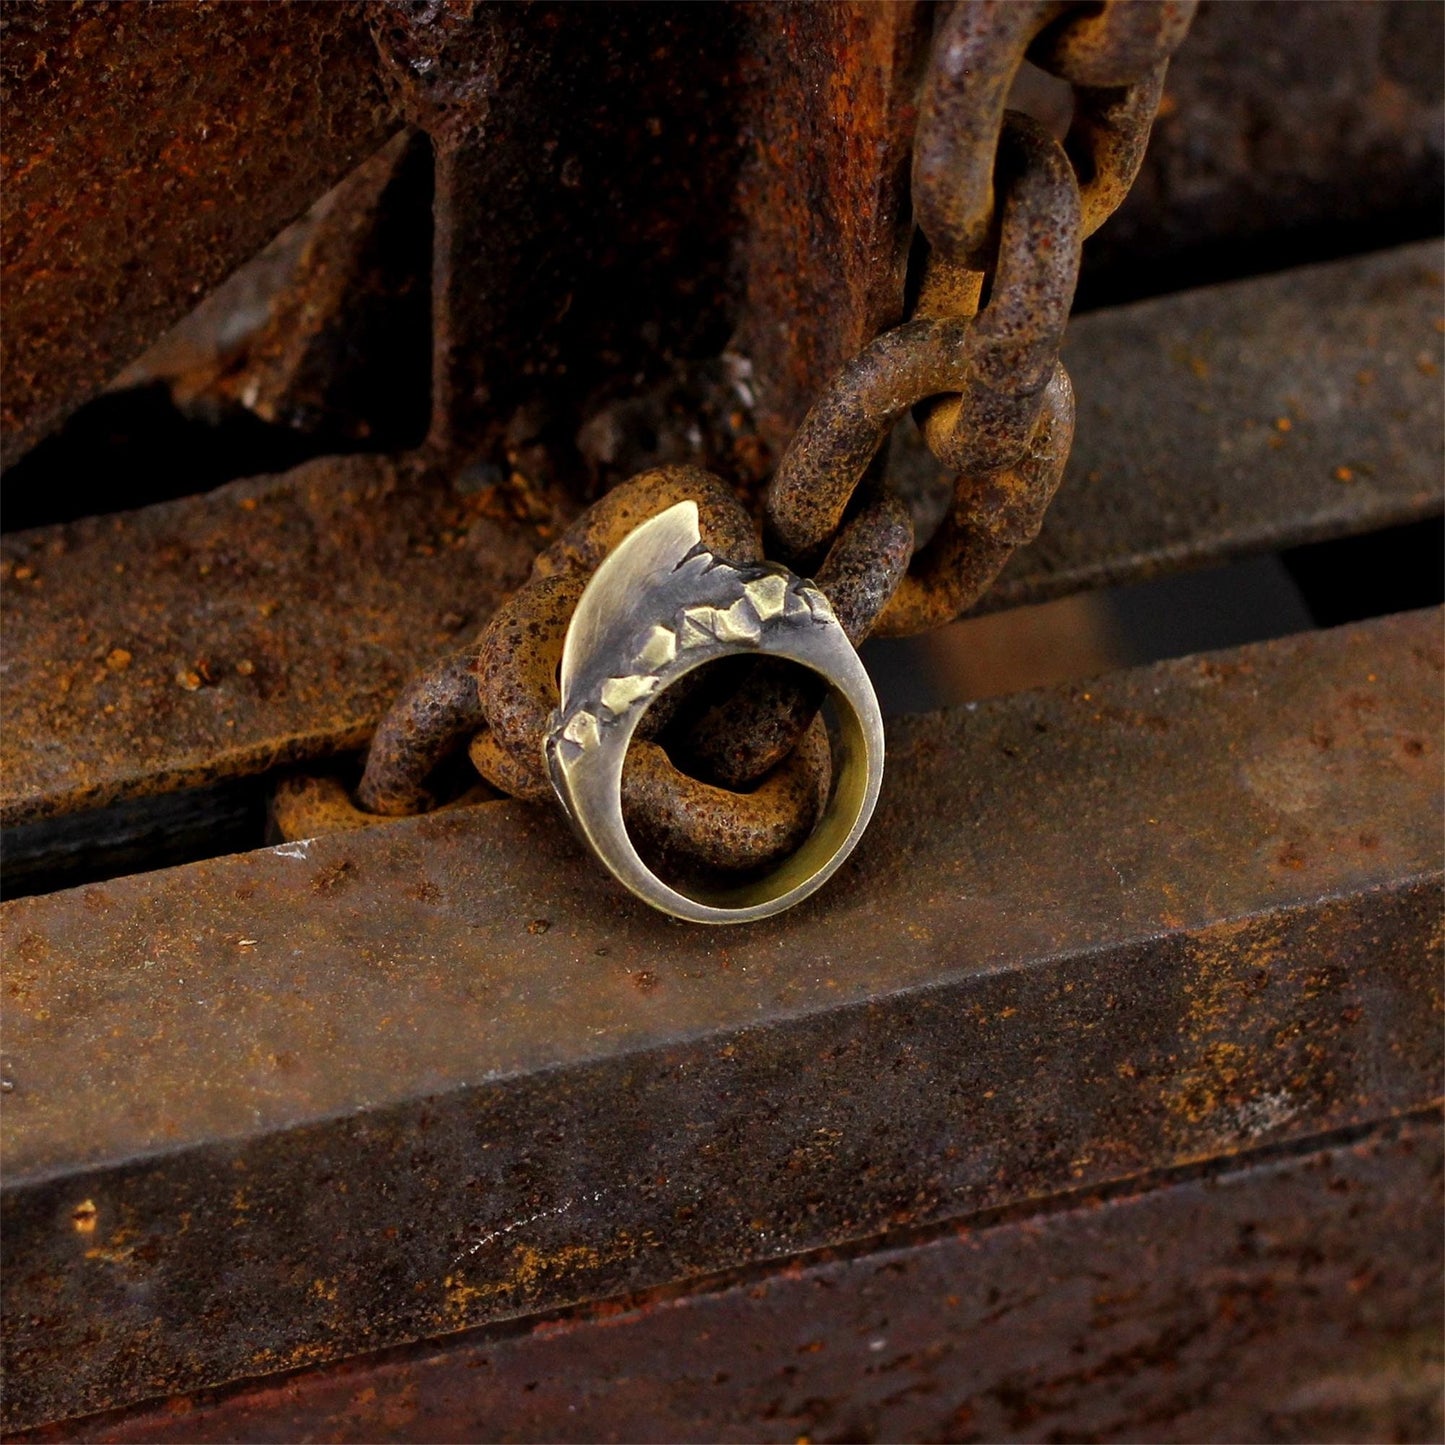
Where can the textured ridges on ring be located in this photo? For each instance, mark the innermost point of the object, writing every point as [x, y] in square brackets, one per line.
[659, 647]
[738, 623]
[818, 605]
[768, 595]
[582, 730]
[764, 598]
[619, 693]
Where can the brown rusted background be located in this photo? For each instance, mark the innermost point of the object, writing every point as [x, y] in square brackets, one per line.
[825, 193]
[702, 186]
[585, 165]
[145, 157]
[1288, 127]
[1100, 1088]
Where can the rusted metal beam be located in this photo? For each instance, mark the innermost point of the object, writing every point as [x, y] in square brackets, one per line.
[1264, 1312]
[622, 236]
[586, 165]
[266, 622]
[143, 163]
[334, 581]
[261, 1110]
[824, 194]
[1244, 418]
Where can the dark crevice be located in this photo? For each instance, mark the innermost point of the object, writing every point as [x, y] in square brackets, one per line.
[318, 346]
[1398, 569]
[131, 448]
[1252, 600]
[138, 835]
[1118, 278]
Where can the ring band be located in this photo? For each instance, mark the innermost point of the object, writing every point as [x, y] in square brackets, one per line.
[659, 606]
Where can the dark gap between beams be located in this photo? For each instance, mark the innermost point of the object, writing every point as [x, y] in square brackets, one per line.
[179, 420]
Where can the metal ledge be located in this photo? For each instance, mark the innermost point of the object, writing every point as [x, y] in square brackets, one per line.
[274, 1109]
[1245, 418]
[1264, 1313]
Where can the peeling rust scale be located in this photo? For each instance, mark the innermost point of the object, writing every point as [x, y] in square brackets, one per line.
[272, 1110]
[827, 222]
[1265, 1313]
[333, 582]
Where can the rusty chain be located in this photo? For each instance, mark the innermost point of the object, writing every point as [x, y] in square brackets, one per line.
[732, 769]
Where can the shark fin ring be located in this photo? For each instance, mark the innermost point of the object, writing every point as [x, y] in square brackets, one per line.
[658, 606]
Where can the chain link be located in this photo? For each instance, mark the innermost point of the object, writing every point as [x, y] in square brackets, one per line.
[732, 770]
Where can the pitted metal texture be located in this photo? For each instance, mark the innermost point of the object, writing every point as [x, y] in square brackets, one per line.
[1003, 208]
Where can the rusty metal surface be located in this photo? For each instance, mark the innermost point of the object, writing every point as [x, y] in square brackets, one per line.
[586, 160]
[986, 374]
[116, 221]
[261, 1109]
[1114, 57]
[1003, 208]
[210, 637]
[327, 330]
[302, 805]
[1243, 418]
[827, 225]
[436, 714]
[1283, 122]
[1264, 1313]
[1180, 459]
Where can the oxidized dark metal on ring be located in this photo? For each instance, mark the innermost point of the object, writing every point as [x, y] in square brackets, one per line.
[701, 824]
[522, 645]
[777, 701]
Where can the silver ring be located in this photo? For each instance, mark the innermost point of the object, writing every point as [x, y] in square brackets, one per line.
[659, 606]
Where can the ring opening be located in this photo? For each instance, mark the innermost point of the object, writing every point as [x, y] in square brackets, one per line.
[802, 811]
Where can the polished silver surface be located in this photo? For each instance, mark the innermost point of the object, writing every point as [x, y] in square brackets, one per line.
[659, 606]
